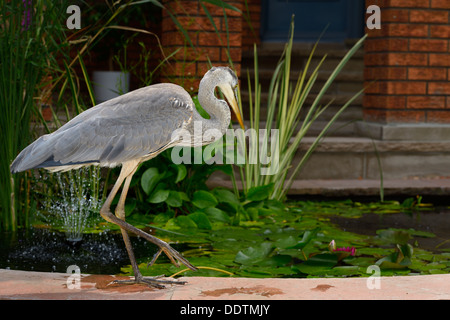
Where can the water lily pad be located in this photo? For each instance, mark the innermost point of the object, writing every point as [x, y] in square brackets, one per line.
[318, 264]
[253, 255]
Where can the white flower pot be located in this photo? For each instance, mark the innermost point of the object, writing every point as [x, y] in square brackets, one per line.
[110, 84]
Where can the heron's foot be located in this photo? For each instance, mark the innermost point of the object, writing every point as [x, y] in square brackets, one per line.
[173, 255]
[155, 282]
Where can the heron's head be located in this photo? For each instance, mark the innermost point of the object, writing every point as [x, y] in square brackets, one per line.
[227, 81]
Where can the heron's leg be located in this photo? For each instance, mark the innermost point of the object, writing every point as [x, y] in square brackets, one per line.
[120, 213]
[128, 169]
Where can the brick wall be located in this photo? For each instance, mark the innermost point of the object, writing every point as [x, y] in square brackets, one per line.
[250, 32]
[409, 60]
[191, 63]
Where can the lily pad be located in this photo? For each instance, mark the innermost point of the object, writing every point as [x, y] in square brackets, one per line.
[253, 255]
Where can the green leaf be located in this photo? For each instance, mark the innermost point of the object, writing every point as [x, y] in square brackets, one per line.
[226, 196]
[287, 242]
[201, 220]
[159, 196]
[149, 179]
[174, 199]
[318, 264]
[181, 173]
[204, 199]
[307, 237]
[253, 255]
[215, 214]
[394, 236]
[185, 222]
[260, 193]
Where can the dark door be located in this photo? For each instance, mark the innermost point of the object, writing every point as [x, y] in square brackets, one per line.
[344, 18]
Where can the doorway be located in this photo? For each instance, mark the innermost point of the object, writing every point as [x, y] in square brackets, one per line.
[345, 20]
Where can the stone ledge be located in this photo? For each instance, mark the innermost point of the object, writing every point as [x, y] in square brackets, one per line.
[360, 187]
[23, 285]
[404, 131]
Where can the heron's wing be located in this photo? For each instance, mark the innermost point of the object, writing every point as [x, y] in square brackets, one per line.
[128, 127]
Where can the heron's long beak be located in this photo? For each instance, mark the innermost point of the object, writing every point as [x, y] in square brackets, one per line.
[231, 98]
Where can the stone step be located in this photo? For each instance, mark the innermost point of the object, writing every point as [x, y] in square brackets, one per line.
[358, 159]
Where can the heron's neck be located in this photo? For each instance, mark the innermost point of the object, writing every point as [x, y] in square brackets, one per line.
[217, 109]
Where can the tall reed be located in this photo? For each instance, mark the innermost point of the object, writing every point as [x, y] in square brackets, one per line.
[27, 43]
[286, 103]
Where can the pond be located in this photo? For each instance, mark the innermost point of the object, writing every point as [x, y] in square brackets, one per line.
[289, 243]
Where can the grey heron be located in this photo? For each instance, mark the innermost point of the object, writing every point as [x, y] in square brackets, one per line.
[129, 130]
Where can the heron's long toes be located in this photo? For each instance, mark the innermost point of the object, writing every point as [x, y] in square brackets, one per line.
[174, 257]
[155, 282]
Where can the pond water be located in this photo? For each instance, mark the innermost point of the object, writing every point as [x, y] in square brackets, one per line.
[436, 222]
[263, 246]
[49, 251]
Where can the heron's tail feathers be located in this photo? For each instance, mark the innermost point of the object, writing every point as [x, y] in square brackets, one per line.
[31, 157]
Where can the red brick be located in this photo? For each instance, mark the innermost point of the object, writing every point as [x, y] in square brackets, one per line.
[394, 15]
[410, 87]
[186, 54]
[408, 3]
[181, 69]
[386, 44]
[439, 88]
[440, 31]
[398, 87]
[384, 102]
[428, 45]
[426, 74]
[211, 53]
[376, 59]
[218, 11]
[405, 30]
[385, 73]
[441, 60]
[209, 39]
[429, 16]
[176, 38]
[407, 59]
[440, 4]
[188, 7]
[408, 116]
[438, 116]
[425, 102]
[235, 53]
[231, 39]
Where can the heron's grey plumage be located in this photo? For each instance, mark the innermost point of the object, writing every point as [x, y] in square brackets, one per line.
[135, 125]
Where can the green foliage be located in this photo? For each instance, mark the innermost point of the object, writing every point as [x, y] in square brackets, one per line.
[289, 241]
[30, 43]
